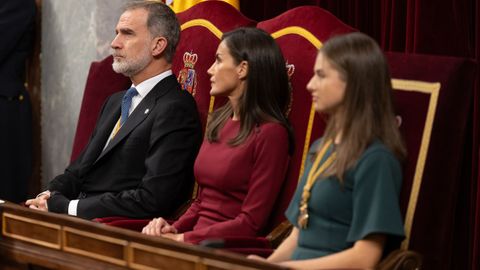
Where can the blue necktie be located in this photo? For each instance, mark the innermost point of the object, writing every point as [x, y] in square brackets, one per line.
[126, 103]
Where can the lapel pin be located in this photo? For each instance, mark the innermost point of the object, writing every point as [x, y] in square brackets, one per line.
[146, 111]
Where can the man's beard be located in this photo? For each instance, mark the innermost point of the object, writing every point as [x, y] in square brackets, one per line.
[131, 67]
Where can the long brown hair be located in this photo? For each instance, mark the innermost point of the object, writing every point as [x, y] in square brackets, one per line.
[366, 112]
[266, 96]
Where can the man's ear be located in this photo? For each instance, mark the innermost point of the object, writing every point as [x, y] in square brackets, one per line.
[242, 70]
[158, 45]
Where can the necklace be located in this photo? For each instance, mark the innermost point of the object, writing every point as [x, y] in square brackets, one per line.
[313, 174]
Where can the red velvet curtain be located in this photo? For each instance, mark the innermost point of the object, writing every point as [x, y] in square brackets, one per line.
[476, 134]
[441, 27]
[435, 27]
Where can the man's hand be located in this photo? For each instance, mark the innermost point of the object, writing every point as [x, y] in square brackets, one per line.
[40, 202]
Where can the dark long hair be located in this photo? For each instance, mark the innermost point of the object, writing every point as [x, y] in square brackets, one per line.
[367, 111]
[266, 96]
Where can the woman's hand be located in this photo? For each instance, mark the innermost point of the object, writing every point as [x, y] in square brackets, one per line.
[256, 258]
[158, 227]
[173, 236]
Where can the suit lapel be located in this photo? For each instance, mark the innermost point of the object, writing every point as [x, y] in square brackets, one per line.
[103, 130]
[140, 113]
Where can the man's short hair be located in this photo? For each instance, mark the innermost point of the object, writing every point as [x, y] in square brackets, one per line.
[161, 21]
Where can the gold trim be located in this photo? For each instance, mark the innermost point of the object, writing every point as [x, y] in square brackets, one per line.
[434, 90]
[163, 252]
[306, 144]
[96, 237]
[34, 223]
[210, 106]
[202, 22]
[297, 30]
[417, 86]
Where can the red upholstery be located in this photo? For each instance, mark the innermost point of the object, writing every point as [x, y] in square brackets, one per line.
[437, 143]
[299, 46]
[102, 81]
[202, 27]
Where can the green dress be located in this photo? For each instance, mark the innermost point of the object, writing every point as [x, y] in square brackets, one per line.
[368, 202]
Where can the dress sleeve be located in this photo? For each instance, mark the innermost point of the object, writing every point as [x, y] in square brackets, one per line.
[377, 183]
[190, 217]
[270, 164]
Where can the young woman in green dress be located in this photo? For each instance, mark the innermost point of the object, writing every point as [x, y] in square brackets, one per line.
[346, 206]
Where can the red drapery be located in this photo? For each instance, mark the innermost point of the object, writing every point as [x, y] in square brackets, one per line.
[436, 27]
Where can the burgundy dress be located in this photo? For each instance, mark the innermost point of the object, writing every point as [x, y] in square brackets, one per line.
[237, 185]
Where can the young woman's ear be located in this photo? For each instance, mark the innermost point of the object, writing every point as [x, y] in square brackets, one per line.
[158, 45]
[242, 70]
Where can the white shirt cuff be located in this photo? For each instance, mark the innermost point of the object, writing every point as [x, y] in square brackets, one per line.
[72, 207]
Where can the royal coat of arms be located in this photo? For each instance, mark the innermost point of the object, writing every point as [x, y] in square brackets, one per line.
[187, 76]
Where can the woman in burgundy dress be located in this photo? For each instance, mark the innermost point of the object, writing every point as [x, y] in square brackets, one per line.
[242, 163]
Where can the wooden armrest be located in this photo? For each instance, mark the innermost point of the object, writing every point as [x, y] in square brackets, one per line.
[401, 260]
[279, 234]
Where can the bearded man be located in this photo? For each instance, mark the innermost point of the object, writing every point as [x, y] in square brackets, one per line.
[139, 160]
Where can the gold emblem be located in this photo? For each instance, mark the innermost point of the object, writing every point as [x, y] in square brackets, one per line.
[187, 76]
[303, 217]
[290, 70]
[315, 171]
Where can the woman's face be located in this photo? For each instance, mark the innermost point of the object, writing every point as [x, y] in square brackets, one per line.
[326, 86]
[226, 77]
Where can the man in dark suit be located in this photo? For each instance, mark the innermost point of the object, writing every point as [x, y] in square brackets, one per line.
[139, 160]
[17, 25]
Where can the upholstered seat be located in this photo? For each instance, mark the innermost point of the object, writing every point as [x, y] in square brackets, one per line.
[431, 94]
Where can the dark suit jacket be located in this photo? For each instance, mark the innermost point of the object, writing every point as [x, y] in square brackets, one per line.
[17, 19]
[147, 168]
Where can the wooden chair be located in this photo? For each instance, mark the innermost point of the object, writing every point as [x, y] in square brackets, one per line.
[431, 94]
